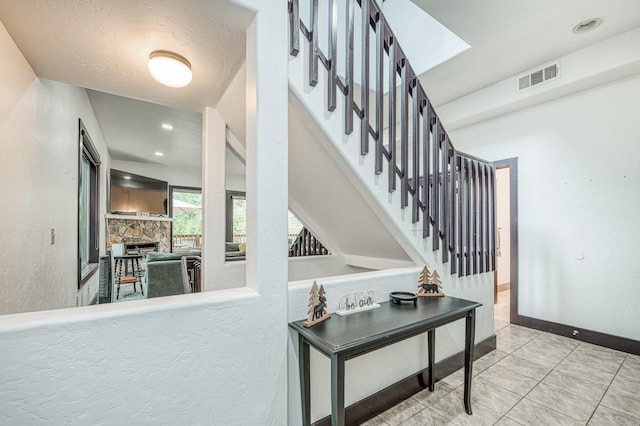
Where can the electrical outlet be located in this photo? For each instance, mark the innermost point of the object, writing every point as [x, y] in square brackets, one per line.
[53, 236]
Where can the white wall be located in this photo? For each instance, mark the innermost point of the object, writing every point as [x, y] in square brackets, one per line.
[145, 362]
[578, 192]
[39, 186]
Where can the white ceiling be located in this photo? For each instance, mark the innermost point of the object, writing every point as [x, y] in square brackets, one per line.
[104, 45]
[509, 37]
[134, 131]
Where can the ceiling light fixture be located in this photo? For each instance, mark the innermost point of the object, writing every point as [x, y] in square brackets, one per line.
[167, 126]
[587, 25]
[159, 154]
[169, 68]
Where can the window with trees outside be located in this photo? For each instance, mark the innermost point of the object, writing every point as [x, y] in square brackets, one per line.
[88, 206]
[186, 210]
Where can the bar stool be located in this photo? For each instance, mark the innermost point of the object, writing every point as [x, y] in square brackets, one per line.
[125, 264]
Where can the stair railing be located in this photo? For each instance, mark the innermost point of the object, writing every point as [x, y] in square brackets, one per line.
[456, 202]
[306, 244]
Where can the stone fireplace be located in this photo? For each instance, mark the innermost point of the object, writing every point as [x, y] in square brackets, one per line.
[139, 229]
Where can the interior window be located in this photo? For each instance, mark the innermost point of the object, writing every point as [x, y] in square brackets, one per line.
[88, 206]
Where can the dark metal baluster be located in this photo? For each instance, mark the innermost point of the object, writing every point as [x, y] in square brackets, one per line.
[435, 194]
[444, 153]
[481, 219]
[313, 45]
[487, 219]
[474, 215]
[392, 114]
[404, 134]
[332, 83]
[426, 125]
[379, 89]
[453, 215]
[294, 28]
[461, 212]
[364, 94]
[469, 229]
[348, 78]
[416, 152]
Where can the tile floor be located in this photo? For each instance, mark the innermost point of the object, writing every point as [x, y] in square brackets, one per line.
[532, 378]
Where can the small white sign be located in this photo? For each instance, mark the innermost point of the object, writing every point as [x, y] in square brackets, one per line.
[357, 301]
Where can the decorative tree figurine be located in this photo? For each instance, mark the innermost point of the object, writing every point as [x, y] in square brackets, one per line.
[429, 284]
[317, 306]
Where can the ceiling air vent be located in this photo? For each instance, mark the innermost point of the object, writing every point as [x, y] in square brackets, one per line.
[538, 76]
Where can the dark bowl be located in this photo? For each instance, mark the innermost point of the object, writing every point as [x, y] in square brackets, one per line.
[398, 297]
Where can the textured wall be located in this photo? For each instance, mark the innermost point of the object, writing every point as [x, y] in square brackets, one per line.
[39, 186]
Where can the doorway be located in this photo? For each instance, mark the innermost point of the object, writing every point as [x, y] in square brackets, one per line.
[506, 273]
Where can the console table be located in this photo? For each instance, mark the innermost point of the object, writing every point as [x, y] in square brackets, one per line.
[344, 337]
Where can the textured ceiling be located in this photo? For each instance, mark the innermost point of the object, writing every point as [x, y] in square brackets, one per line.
[509, 37]
[105, 44]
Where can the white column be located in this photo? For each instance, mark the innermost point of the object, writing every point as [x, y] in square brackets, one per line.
[213, 197]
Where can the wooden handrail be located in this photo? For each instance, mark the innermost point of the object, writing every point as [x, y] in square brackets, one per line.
[451, 193]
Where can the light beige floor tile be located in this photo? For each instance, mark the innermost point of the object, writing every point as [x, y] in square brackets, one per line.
[376, 421]
[508, 379]
[451, 407]
[623, 403]
[506, 421]
[515, 338]
[401, 412]
[529, 413]
[601, 352]
[605, 416]
[630, 367]
[625, 386]
[584, 371]
[488, 360]
[507, 345]
[558, 340]
[594, 361]
[525, 367]
[516, 330]
[577, 385]
[499, 324]
[493, 396]
[562, 401]
[454, 380]
[426, 417]
[427, 398]
[543, 352]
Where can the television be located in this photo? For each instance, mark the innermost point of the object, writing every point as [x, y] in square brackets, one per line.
[136, 195]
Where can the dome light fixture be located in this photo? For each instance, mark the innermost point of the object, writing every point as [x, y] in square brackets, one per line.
[587, 25]
[169, 68]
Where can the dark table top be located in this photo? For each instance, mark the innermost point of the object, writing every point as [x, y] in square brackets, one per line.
[388, 324]
[128, 256]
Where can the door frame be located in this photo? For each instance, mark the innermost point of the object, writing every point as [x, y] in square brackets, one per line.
[512, 164]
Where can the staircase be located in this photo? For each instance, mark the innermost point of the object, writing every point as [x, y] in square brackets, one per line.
[448, 196]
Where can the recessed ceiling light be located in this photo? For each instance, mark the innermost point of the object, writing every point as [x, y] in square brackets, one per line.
[159, 154]
[587, 25]
[127, 177]
[169, 68]
[167, 126]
